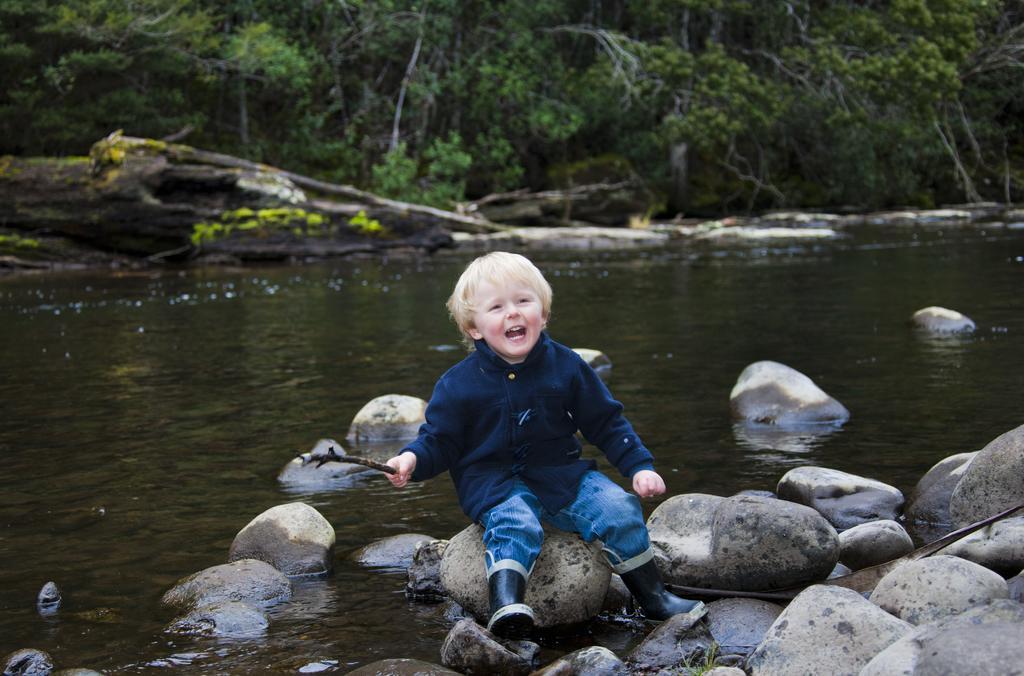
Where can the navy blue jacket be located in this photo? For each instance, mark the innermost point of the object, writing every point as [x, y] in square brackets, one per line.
[489, 422]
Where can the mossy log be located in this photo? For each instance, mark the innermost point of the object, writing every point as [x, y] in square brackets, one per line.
[610, 204]
[148, 198]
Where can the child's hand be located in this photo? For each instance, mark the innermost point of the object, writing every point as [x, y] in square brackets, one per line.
[648, 483]
[405, 463]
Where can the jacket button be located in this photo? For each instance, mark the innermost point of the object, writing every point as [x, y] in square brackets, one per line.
[511, 376]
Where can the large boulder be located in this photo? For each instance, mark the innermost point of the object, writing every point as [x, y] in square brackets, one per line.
[993, 482]
[999, 546]
[471, 649]
[935, 319]
[743, 542]
[386, 418]
[872, 543]
[254, 582]
[773, 393]
[937, 586]
[845, 499]
[825, 630]
[395, 552]
[983, 640]
[229, 618]
[294, 538]
[929, 501]
[567, 586]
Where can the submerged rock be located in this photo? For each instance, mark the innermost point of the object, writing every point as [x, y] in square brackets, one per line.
[936, 319]
[870, 544]
[983, 640]
[567, 586]
[929, 501]
[28, 662]
[307, 472]
[402, 667]
[993, 482]
[768, 392]
[744, 542]
[937, 586]
[388, 417]
[248, 580]
[230, 618]
[395, 552]
[845, 499]
[471, 649]
[825, 630]
[48, 600]
[294, 538]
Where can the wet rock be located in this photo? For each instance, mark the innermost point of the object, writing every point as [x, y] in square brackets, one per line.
[994, 480]
[592, 661]
[294, 538]
[306, 471]
[401, 667]
[937, 586]
[1015, 587]
[929, 501]
[870, 544]
[254, 582]
[618, 600]
[985, 639]
[678, 642]
[230, 618]
[391, 416]
[395, 552]
[998, 547]
[471, 649]
[424, 574]
[567, 586]
[739, 625]
[48, 600]
[825, 630]
[725, 671]
[845, 499]
[936, 319]
[28, 662]
[597, 360]
[743, 542]
[772, 393]
[76, 672]
[839, 571]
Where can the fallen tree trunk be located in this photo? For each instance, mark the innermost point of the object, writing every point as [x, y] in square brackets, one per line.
[612, 204]
[148, 198]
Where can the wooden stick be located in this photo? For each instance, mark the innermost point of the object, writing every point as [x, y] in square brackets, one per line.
[334, 456]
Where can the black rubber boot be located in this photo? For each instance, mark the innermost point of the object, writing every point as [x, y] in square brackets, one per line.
[510, 617]
[657, 602]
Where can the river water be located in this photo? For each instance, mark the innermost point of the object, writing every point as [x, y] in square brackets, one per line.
[144, 416]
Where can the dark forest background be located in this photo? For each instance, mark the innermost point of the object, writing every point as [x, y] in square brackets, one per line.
[716, 105]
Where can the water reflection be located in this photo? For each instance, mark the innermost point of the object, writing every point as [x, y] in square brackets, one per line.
[798, 440]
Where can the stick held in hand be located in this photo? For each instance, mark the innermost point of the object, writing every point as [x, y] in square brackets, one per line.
[333, 456]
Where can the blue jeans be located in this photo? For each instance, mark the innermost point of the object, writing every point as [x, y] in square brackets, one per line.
[601, 510]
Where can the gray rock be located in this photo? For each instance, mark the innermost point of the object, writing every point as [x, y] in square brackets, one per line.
[937, 319]
[294, 538]
[678, 642]
[985, 653]
[1015, 587]
[845, 499]
[388, 417]
[567, 586]
[76, 672]
[825, 630]
[254, 582]
[592, 661]
[931, 588]
[840, 570]
[929, 501]
[739, 625]
[999, 546]
[773, 393]
[48, 600]
[618, 600]
[993, 482]
[394, 552]
[743, 542]
[424, 574]
[230, 618]
[872, 543]
[28, 662]
[305, 471]
[471, 649]
[597, 360]
[401, 667]
[725, 671]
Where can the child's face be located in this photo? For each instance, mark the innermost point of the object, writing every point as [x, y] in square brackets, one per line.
[509, 318]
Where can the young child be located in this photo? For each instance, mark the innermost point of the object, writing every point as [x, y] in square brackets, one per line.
[503, 422]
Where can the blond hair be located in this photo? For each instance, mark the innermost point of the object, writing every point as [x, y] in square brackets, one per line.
[497, 267]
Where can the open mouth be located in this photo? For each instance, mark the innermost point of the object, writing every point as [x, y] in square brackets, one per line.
[516, 333]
